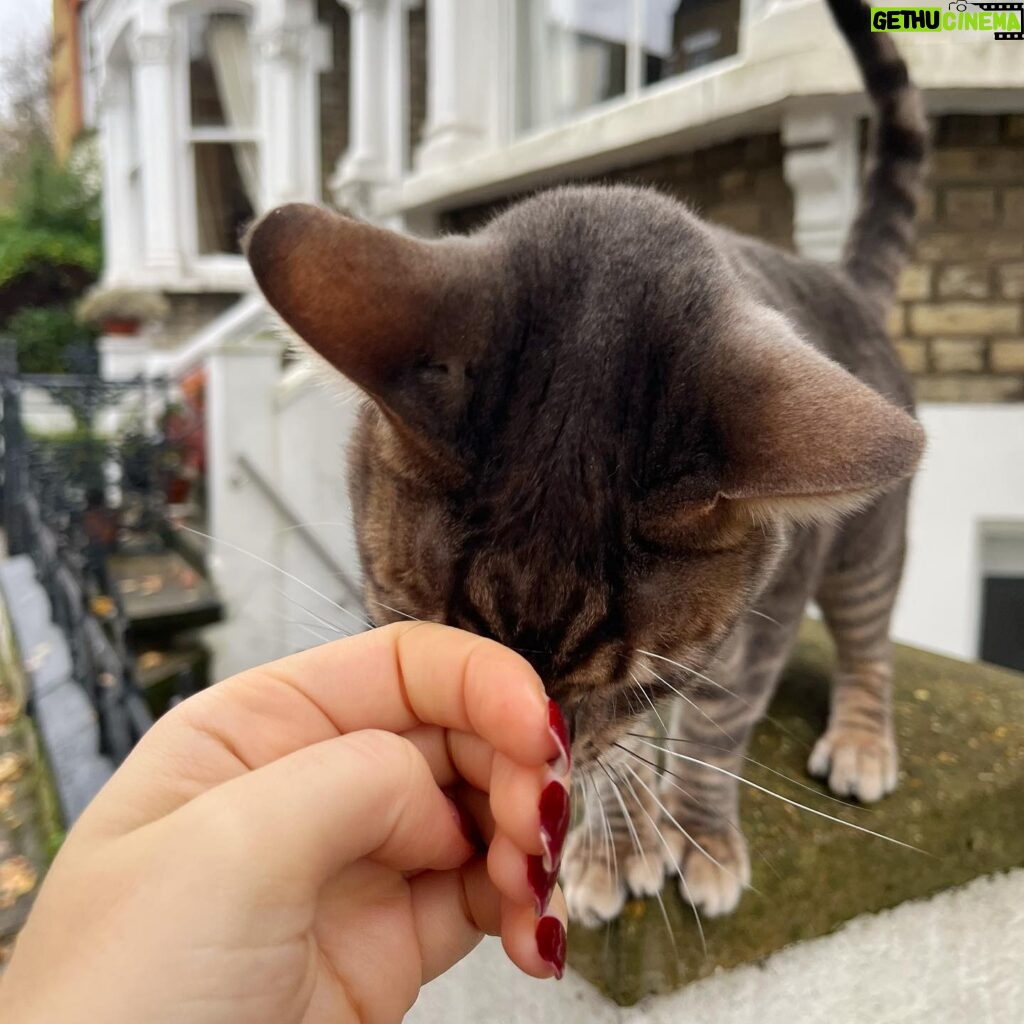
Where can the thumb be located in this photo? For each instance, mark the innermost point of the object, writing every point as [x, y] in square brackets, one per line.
[307, 815]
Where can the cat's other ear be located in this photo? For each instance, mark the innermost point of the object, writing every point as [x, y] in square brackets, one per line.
[803, 437]
[378, 305]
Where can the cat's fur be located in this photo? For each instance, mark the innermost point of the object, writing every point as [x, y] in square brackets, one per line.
[633, 446]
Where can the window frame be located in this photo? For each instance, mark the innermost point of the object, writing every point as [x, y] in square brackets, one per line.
[541, 73]
[188, 136]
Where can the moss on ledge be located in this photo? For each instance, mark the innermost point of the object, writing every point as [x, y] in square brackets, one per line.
[961, 799]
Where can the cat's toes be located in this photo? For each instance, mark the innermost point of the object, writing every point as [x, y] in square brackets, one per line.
[644, 872]
[715, 871]
[856, 763]
[596, 890]
[595, 895]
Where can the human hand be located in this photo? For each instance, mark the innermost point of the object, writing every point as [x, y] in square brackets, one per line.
[280, 848]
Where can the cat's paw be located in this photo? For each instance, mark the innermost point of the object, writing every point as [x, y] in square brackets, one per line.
[715, 869]
[597, 884]
[594, 895]
[856, 763]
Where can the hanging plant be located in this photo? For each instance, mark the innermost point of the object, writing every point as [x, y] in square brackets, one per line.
[122, 310]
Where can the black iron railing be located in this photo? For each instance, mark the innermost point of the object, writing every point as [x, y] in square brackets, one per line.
[69, 499]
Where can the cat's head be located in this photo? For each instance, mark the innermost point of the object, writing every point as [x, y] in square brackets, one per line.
[584, 439]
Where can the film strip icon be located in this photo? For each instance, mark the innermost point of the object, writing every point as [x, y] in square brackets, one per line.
[1018, 7]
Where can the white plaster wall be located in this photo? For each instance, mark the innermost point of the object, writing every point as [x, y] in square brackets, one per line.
[316, 413]
[972, 478]
[281, 595]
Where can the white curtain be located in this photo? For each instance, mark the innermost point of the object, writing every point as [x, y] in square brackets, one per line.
[227, 43]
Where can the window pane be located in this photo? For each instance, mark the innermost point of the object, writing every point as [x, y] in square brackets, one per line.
[334, 90]
[418, 54]
[221, 87]
[571, 55]
[226, 184]
[1002, 621]
[682, 35]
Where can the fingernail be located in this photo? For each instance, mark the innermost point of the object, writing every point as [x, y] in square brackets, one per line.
[542, 882]
[556, 726]
[550, 937]
[554, 823]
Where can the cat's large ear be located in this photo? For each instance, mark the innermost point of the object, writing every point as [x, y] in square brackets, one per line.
[374, 303]
[802, 436]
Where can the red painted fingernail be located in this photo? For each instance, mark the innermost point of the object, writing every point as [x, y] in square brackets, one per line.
[550, 937]
[554, 822]
[542, 882]
[556, 725]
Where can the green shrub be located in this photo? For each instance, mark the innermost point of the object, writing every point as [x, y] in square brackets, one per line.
[45, 335]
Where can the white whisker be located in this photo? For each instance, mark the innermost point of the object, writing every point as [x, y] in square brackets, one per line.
[778, 796]
[634, 835]
[693, 704]
[732, 693]
[672, 780]
[760, 764]
[650, 700]
[405, 615]
[276, 568]
[672, 858]
[326, 623]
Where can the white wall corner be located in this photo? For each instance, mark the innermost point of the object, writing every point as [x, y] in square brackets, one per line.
[822, 167]
[123, 357]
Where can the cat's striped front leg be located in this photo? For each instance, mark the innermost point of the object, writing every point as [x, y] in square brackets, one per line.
[857, 753]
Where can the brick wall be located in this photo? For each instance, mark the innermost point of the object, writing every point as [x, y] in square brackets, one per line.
[738, 184]
[960, 322]
[334, 90]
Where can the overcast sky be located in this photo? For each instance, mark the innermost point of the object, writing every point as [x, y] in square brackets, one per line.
[22, 22]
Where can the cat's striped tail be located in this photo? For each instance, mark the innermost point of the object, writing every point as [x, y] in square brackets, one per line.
[880, 241]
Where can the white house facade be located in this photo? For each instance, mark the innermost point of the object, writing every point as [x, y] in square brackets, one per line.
[423, 114]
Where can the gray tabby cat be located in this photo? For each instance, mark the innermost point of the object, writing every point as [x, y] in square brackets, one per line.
[632, 446]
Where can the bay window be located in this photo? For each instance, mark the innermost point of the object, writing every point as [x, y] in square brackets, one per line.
[571, 55]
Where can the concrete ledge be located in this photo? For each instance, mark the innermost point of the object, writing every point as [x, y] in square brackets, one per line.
[961, 799]
[951, 959]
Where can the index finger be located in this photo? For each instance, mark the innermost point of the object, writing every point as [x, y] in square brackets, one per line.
[393, 678]
[412, 673]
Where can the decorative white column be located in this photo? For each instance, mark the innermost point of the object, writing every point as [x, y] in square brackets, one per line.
[290, 53]
[462, 96]
[372, 93]
[241, 424]
[152, 54]
[120, 239]
[822, 167]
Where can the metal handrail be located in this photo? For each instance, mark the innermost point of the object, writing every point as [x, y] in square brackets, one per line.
[294, 520]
